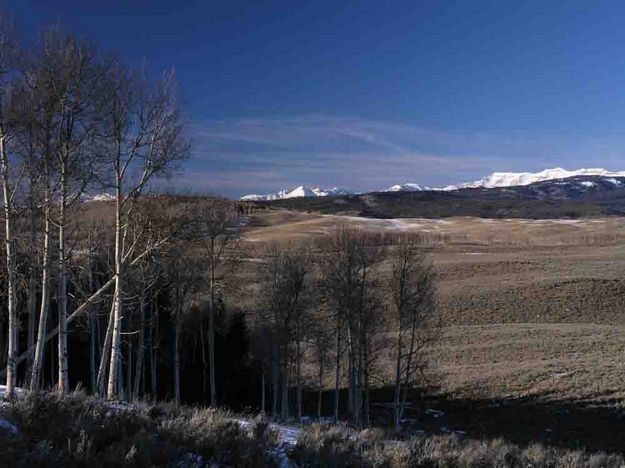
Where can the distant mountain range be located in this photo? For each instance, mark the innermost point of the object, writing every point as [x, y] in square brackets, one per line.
[494, 180]
[515, 179]
[554, 193]
[301, 191]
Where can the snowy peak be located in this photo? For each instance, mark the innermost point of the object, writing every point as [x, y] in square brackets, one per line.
[300, 191]
[100, 197]
[513, 179]
[494, 180]
[407, 187]
[334, 191]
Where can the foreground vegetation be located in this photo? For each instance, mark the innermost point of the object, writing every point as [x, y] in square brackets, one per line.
[49, 430]
[44, 429]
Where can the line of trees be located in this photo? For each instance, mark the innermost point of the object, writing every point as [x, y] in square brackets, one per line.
[74, 120]
[345, 307]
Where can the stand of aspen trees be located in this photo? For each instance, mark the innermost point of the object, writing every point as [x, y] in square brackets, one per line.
[131, 283]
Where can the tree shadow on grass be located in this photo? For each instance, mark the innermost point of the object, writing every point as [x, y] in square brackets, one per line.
[595, 425]
[564, 423]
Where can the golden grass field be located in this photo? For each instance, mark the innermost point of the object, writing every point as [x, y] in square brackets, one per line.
[528, 307]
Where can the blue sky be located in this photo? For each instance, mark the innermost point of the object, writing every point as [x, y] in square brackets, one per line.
[367, 94]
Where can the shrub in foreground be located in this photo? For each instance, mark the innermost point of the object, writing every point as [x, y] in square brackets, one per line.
[80, 431]
[340, 446]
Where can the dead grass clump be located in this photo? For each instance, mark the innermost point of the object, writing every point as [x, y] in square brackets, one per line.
[328, 445]
[77, 431]
[340, 446]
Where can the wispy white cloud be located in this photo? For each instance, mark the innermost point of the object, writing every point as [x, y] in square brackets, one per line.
[267, 153]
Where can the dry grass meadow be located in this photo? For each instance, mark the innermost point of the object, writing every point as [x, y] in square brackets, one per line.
[531, 310]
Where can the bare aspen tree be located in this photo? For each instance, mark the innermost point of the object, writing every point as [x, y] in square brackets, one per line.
[93, 348]
[38, 79]
[146, 134]
[351, 292]
[218, 221]
[151, 247]
[284, 274]
[145, 282]
[163, 143]
[41, 78]
[105, 354]
[182, 277]
[321, 338]
[27, 146]
[8, 192]
[153, 343]
[261, 343]
[338, 279]
[411, 287]
[70, 71]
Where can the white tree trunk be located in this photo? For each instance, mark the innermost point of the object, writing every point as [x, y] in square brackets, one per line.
[211, 331]
[154, 341]
[320, 394]
[140, 348]
[10, 264]
[32, 280]
[113, 384]
[262, 392]
[106, 352]
[63, 378]
[337, 371]
[396, 409]
[35, 377]
[84, 307]
[177, 354]
[298, 368]
[275, 373]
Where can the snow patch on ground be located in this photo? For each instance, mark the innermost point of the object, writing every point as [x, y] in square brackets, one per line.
[3, 390]
[287, 440]
[9, 427]
[435, 413]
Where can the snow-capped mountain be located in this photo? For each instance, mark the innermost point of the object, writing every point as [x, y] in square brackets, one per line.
[100, 197]
[300, 191]
[494, 180]
[407, 187]
[513, 179]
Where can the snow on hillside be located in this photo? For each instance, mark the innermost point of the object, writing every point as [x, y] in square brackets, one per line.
[300, 191]
[511, 179]
[407, 187]
[494, 180]
[100, 197]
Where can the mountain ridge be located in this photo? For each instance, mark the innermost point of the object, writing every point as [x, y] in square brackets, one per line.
[493, 180]
[299, 191]
[580, 196]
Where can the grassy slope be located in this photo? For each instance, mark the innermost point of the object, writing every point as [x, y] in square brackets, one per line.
[533, 321]
[518, 299]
